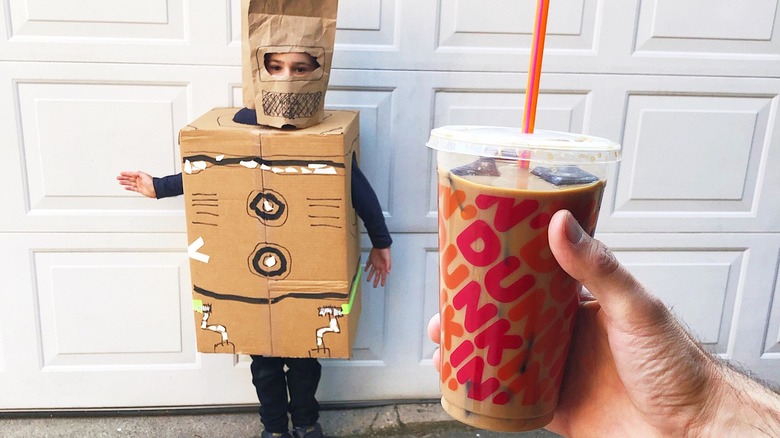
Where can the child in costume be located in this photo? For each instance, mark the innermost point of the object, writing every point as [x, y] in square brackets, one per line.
[302, 377]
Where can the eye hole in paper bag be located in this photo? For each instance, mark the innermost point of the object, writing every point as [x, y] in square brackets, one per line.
[290, 64]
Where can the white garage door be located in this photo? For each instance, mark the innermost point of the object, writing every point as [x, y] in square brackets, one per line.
[94, 287]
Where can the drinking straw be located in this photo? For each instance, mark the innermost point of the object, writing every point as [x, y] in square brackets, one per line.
[534, 72]
[535, 67]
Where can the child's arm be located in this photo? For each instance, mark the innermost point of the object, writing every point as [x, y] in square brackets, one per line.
[367, 207]
[149, 186]
[170, 185]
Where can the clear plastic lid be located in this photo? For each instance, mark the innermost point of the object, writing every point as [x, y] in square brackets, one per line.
[512, 144]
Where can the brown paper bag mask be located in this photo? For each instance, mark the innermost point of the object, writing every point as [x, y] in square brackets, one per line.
[294, 39]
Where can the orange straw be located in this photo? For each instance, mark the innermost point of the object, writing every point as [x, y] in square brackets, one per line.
[535, 67]
[534, 72]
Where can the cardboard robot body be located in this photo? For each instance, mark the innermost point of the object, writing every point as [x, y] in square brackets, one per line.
[273, 238]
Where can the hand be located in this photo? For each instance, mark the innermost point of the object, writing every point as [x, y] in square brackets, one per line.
[632, 369]
[631, 363]
[137, 182]
[378, 265]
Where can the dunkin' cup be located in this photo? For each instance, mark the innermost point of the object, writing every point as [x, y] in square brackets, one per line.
[507, 308]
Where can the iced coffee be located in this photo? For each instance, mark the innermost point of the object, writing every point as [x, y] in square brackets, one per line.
[507, 308]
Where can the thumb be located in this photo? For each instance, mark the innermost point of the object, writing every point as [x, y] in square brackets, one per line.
[623, 299]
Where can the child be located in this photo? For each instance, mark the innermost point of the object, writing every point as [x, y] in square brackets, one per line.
[271, 382]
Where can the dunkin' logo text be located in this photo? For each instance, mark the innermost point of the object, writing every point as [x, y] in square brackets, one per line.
[507, 308]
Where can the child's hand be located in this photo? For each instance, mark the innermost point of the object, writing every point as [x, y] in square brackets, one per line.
[378, 265]
[137, 182]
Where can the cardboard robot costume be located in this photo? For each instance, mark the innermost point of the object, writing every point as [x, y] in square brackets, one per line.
[287, 26]
[274, 240]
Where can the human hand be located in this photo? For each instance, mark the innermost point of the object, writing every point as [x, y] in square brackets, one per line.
[632, 369]
[137, 182]
[378, 265]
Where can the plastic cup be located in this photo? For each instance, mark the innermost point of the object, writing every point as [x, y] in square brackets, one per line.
[507, 308]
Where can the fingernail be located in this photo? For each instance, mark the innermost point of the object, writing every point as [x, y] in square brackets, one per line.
[573, 230]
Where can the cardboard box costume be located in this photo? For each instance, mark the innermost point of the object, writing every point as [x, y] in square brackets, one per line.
[274, 240]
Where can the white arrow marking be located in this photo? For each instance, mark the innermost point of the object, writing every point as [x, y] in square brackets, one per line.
[192, 251]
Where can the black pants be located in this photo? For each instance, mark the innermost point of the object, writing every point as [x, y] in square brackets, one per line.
[272, 383]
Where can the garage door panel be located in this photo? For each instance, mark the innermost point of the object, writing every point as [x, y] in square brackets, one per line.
[102, 309]
[666, 26]
[70, 130]
[693, 154]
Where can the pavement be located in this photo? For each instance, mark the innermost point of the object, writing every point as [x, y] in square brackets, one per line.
[426, 420]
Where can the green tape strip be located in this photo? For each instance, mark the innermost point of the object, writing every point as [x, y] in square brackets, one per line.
[346, 308]
[197, 305]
